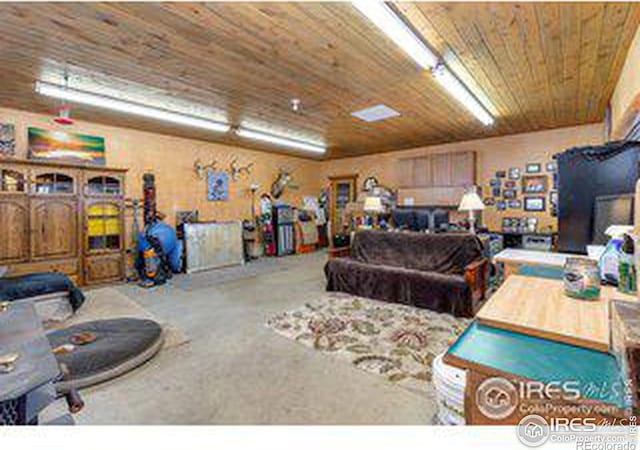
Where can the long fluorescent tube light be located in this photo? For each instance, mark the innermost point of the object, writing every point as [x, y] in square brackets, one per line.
[459, 91]
[100, 101]
[280, 140]
[390, 24]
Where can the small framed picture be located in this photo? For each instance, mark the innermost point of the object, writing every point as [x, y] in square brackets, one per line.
[533, 168]
[509, 193]
[534, 204]
[494, 182]
[501, 205]
[489, 201]
[510, 184]
[495, 192]
[514, 173]
[501, 174]
[514, 204]
[534, 184]
[553, 199]
[552, 166]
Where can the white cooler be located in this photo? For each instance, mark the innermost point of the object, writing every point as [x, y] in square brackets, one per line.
[450, 384]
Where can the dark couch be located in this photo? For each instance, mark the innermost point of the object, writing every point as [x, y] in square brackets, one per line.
[442, 272]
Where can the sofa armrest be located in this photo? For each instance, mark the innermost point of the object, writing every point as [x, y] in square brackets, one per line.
[476, 276]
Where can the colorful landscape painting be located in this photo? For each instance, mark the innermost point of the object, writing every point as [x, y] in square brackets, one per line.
[67, 147]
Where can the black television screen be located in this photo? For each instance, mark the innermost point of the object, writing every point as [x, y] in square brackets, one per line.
[611, 210]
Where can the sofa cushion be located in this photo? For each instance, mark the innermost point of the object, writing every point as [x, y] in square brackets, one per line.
[446, 293]
[447, 253]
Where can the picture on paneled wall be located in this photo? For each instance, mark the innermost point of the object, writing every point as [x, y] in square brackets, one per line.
[66, 147]
[514, 204]
[535, 204]
[7, 139]
[217, 186]
[552, 166]
[501, 174]
[514, 173]
[533, 168]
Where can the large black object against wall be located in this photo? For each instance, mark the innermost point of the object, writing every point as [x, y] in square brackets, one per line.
[585, 173]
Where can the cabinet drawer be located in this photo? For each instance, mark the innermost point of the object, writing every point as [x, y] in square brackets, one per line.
[65, 266]
[104, 268]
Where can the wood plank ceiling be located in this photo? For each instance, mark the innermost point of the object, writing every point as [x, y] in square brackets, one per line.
[541, 65]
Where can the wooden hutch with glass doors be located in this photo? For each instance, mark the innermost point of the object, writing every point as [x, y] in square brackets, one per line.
[66, 218]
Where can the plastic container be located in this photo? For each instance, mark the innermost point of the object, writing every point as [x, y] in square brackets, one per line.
[450, 385]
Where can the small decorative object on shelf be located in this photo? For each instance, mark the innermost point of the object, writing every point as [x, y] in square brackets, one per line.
[582, 278]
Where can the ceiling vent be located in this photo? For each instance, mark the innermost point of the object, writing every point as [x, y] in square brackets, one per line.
[375, 113]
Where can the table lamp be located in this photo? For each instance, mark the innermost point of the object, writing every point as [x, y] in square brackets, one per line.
[471, 202]
[373, 206]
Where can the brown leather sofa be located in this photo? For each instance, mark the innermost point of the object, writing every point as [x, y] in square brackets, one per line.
[442, 272]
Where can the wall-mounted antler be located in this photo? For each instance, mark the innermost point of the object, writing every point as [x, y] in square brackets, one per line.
[201, 169]
[235, 170]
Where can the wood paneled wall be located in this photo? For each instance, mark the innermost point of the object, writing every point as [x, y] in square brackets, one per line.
[171, 159]
[492, 154]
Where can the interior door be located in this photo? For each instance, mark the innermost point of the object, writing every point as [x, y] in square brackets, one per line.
[54, 228]
[14, 223]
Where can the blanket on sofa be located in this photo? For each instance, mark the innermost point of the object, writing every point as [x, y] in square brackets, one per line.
[417, 269]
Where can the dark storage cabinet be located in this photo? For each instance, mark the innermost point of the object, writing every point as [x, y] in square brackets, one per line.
[581, 181]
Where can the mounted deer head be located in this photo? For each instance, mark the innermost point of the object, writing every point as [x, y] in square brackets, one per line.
[235, 170]
[283, 180]
[201, 169]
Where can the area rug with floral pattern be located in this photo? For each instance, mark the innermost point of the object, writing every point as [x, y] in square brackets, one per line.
[395, 341]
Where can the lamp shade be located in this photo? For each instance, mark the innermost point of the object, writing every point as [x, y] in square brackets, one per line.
[373, 204]
[471, 201]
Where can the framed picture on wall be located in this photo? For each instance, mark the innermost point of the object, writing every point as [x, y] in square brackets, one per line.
[534, 184]
[501, 205]
[489, 201]
[552, 166]
[533, 168]
[494, 182]
[495, 191]
[510, 184]
[501, 174]
[509, 193]
[514, 204]
[514, 173]
[534, 204]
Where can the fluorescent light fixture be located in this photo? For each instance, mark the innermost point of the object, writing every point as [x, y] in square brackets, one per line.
[454, 86]
[101, 101]
[390, 24]
[280, 140]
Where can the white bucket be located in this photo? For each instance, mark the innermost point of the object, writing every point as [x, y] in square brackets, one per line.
[450, 385]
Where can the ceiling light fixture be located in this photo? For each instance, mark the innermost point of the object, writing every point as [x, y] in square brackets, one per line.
[280, 140]
[390, 24]
[393, 26]
[459, 91]
[101, 101]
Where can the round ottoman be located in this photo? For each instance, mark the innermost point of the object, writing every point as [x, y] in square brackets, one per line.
[121, 345]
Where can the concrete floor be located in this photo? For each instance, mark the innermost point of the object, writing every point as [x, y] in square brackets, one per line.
[237, 371]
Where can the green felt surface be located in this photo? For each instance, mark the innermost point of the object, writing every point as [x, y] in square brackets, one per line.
[552, 273]
[542, 360]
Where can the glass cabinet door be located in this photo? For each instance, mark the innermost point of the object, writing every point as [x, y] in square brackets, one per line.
[12, 181]
[104, 185]
[104, 228]
[54, 183]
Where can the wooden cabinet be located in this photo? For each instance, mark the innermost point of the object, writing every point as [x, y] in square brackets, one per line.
[14, 226]
[62, 218]
[437, 179]
[54, 228]
[343, 192]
